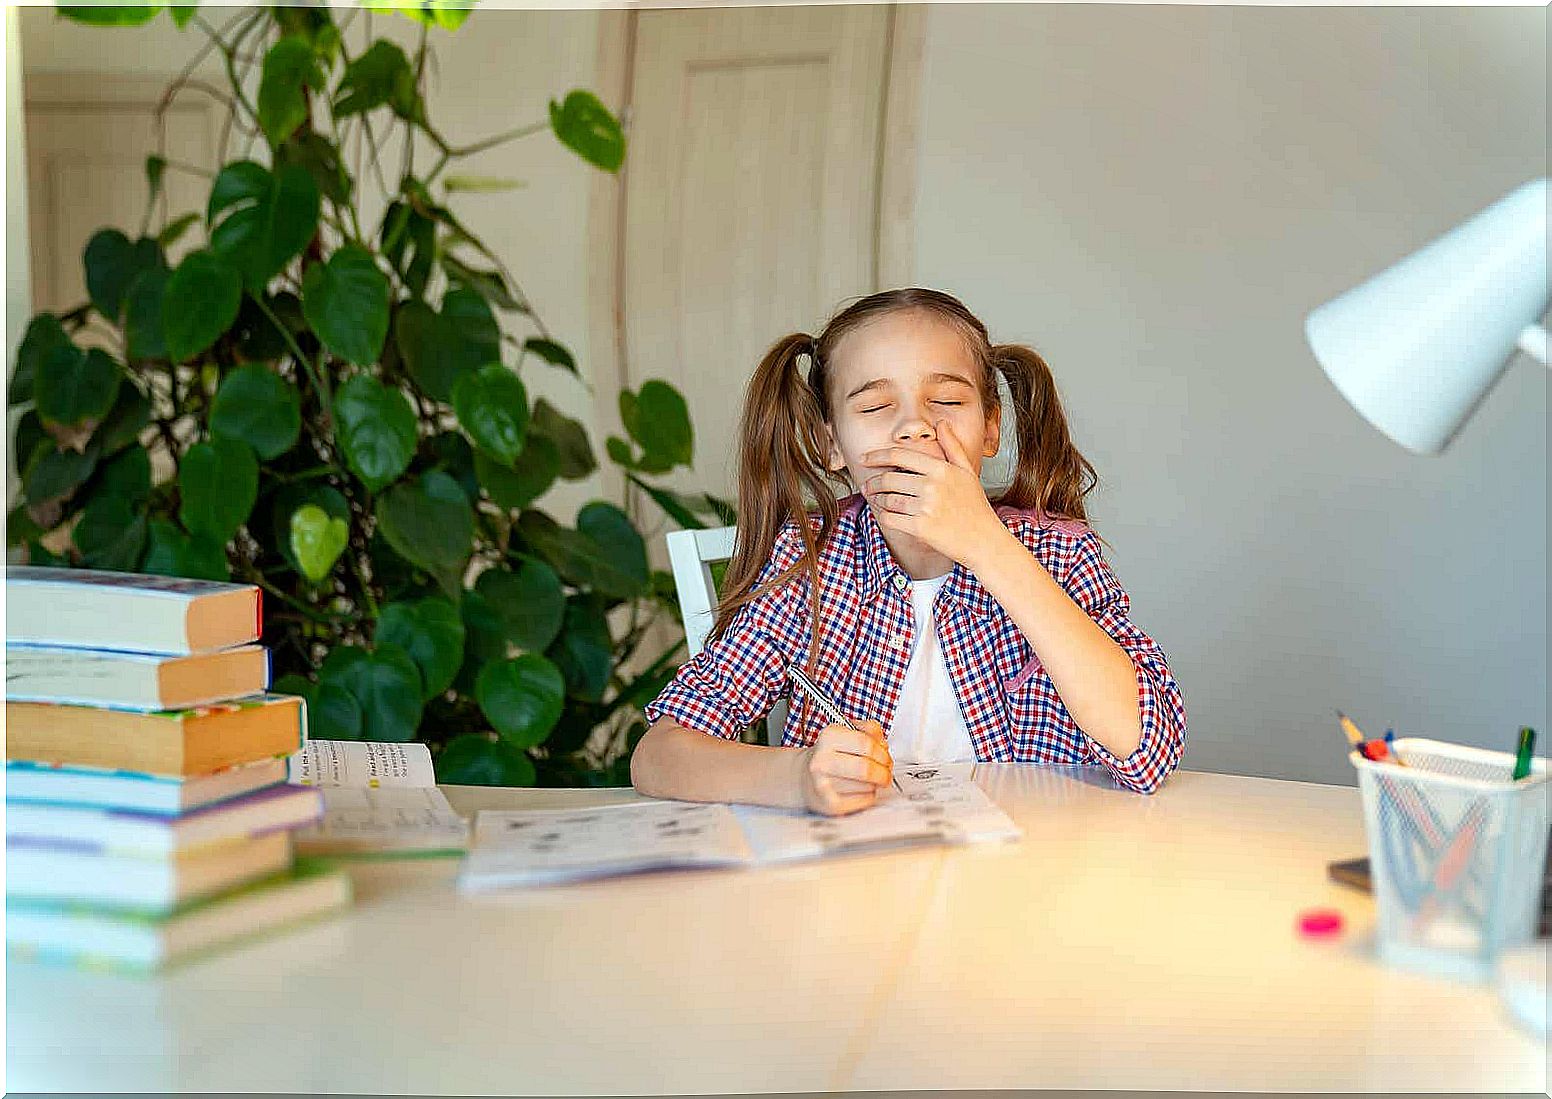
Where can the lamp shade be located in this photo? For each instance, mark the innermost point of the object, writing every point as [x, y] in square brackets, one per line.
[1416, 347]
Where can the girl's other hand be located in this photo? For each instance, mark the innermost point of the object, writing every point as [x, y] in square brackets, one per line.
[844, 769]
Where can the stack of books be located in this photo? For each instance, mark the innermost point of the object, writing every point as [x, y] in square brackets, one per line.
[148, 817]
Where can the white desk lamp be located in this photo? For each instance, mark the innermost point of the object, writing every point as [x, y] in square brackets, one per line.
[1416, 347]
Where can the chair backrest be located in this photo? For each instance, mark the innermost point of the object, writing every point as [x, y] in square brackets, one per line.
[691, 554]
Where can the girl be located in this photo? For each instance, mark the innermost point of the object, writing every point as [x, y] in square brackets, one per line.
[969, 628]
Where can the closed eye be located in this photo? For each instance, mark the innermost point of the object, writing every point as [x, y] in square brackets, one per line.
[878, 408]
[956, 404]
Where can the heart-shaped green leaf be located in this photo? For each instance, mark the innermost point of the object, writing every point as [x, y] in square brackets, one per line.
[579, 557]
[112, 262]
[517, 487]
[484, 638]
[522, 698]
[584, 651]
[218, 482]
[259, 220]
[51, 473]
[127, 476]
[530, 601]
[199, 303]
[585, 126]
[128, 417]
[441, 348]
[431, 631]
[259, 407]
[474, 760]
[385, 683]
[170, 552]
[661, 423]
[74, 386]
[451, 453]
[376, 428]
[569, 437]
[111, 533]
[492, 407]
[427, 519]
[618, 540]
[143, 315]
[346, 302]
[44, 334]
[288, 501]
[317, 540]
[290, 68]
[382, 75]
[332, 712]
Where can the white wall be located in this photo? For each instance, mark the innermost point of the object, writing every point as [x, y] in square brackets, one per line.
[1154, 198]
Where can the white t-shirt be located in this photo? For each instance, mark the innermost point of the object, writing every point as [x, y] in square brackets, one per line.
[928, 727]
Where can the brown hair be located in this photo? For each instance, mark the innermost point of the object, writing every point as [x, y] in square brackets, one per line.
[783, 443]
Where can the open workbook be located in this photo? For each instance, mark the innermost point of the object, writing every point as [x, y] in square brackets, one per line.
[378, 799]
[927, 804]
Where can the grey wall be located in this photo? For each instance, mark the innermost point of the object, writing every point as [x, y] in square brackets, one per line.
[1154, 197]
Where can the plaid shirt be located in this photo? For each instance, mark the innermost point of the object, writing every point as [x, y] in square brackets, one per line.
[1008, 701]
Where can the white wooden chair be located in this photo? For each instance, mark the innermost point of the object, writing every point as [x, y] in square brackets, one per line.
[691, 554]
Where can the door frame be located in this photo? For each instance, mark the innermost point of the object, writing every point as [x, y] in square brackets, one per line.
[894, 257]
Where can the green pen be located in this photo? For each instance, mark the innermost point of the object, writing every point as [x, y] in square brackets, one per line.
[1522, 753]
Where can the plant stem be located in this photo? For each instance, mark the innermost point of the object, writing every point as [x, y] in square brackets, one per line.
[313, 373]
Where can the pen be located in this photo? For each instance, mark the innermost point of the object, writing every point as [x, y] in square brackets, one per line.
[1354, 736]
[1522, 753]
[832, 711]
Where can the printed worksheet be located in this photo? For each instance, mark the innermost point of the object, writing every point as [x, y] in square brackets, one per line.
[535, 846]
[378, 799]
[934, 803]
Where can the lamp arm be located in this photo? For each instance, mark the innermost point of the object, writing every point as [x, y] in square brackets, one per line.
[1533, 341]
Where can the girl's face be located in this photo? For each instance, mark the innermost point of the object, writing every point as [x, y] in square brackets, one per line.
[892, 381]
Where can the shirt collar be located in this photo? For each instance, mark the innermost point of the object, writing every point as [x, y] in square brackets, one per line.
[877, 567]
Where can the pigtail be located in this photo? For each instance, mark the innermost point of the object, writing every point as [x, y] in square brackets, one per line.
[1051, 476]
[782, 449]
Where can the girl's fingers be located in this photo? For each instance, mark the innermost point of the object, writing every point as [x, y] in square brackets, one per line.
[905, 484]
[851, 803]
[844, 765]
[902, 457]
[846, 786]
[858, 742]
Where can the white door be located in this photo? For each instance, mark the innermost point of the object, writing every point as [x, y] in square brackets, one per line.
[752, 197]
[88, 136]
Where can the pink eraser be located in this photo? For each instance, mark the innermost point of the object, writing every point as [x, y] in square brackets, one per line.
[1320, 923]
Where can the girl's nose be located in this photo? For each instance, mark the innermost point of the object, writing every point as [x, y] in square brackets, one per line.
[914, 428]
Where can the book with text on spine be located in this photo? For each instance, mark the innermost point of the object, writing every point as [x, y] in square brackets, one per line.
[96, 609]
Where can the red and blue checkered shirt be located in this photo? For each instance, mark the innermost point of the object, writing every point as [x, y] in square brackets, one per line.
[1009, 703]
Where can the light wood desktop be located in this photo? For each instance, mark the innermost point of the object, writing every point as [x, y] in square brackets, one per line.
[1127, 942]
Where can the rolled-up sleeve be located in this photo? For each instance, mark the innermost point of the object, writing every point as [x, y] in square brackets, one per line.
[1160, 706]
[735, 679]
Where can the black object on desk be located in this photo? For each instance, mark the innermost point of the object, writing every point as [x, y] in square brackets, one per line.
[1355, 872]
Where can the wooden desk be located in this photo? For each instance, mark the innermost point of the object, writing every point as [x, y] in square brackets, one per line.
[1128, 942]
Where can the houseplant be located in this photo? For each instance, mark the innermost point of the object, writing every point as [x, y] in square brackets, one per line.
[336, 411]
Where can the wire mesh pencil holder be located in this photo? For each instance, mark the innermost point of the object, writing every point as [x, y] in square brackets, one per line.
[1456, 854]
